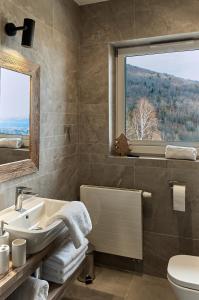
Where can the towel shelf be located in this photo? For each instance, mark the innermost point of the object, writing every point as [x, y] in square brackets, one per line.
[56, 290]
[15, 277]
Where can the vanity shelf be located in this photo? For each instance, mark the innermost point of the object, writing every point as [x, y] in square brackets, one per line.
[15, 277]
[56, 290]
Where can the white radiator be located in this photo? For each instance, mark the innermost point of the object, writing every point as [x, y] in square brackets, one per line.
[116, 215]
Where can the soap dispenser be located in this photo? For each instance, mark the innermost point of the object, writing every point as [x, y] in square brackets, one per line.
[4, 235]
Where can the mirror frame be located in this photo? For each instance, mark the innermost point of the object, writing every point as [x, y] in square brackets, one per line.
[20, 168]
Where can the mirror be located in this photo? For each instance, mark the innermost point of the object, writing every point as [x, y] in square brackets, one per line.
[19, 116]
[14, 116]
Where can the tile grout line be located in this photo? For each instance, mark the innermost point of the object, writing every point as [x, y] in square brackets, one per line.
[129, 287]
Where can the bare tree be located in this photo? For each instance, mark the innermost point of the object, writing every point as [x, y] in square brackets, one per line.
[142, 122]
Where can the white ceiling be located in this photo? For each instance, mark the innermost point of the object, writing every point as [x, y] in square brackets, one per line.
[84, 2]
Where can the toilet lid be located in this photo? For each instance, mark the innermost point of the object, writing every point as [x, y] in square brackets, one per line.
[183, 270]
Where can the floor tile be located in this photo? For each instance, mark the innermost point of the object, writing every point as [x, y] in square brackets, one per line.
[150, 288]
[112, 281]
[86, 293]
[116, 285]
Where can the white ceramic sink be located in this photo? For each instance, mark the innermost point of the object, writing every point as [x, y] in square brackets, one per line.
[30, 223]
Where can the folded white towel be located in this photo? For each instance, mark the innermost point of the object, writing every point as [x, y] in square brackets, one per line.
[52, 276]
[15, 143]
[76, 217]
[62, 258]
[49, 268]
[176, 152]
[31, 289]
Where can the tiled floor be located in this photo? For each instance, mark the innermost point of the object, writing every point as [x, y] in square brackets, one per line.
[116, 285]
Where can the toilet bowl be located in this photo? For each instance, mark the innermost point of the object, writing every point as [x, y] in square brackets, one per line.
[183, 276]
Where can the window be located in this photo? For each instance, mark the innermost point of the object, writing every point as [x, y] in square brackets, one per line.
[158, 95]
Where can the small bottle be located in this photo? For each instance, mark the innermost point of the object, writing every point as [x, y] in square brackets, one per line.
[4, 259]
[4, 235]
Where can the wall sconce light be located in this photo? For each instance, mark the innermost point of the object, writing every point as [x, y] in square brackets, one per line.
[28, 29]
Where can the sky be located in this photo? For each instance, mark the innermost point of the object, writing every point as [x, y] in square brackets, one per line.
[181, 64]
[14, 95]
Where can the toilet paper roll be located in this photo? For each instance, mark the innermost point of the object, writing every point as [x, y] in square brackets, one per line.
[179, 192]
[4, 259]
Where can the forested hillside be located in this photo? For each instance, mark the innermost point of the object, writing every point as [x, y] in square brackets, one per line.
[174, 104]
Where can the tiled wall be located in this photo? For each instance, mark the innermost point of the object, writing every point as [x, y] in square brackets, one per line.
[166, 233]
[56, 46]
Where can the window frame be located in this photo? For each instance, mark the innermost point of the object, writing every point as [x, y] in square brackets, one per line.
[144, 47]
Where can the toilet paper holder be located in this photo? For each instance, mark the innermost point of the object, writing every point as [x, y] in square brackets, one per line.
[178, 191]
[174, 182]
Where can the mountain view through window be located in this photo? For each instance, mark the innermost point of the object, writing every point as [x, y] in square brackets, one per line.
[162, 96]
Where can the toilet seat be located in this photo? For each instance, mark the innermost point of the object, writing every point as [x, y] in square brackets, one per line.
[183, 270]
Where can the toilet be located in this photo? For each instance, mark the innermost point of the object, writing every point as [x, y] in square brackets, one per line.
[183, 276]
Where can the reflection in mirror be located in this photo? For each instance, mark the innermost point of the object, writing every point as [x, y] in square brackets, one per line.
[14, 116]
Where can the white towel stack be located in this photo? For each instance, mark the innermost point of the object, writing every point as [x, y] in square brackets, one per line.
[64, 262]
[31, 289]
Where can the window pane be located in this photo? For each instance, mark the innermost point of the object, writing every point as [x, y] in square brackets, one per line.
[162, 96]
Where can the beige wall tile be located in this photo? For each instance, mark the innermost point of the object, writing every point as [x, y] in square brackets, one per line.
[119, 20]
[56, 46]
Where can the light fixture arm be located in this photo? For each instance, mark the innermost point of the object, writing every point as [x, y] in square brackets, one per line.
[21, 28]
[11, 29]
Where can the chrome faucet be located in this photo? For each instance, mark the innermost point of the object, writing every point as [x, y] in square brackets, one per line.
[19, 197]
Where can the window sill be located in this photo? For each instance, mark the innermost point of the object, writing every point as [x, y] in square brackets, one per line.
[157, 161]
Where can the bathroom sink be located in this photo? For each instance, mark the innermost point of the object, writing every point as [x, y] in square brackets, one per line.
[31, 222]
